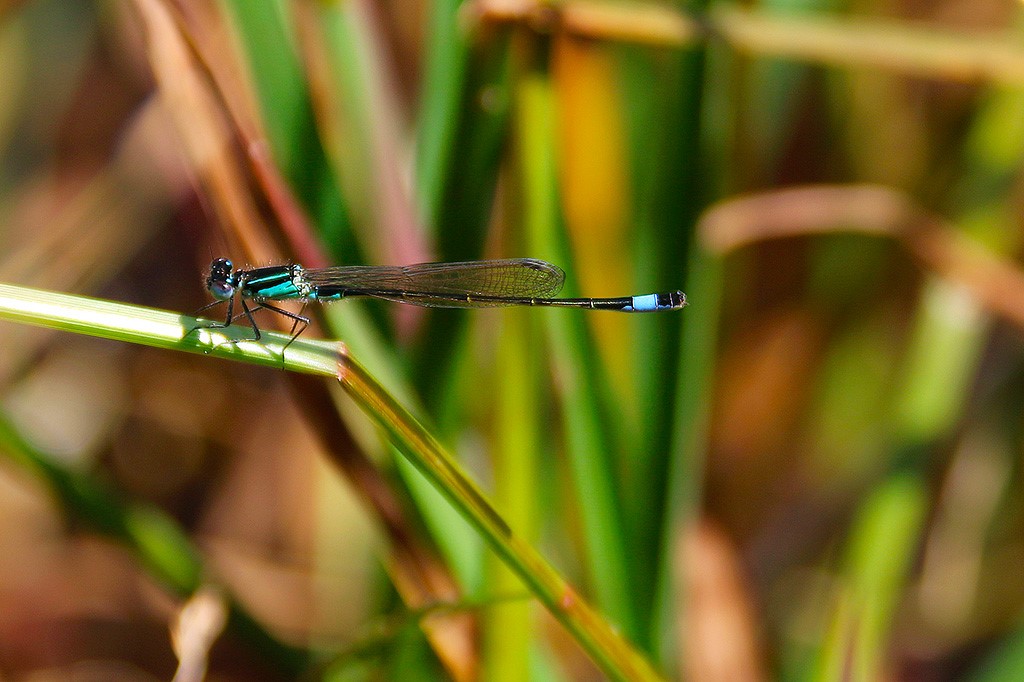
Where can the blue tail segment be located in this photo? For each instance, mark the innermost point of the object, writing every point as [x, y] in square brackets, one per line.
[652, 303]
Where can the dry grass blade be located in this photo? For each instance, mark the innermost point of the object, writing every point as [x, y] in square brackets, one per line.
[720, 641]
[837, 41]
[356, 103]
[872, 43]
[200, 622]
[201, 123]
[997, 284]
[209, 132]
[645, 24]
[205, 35]
[417, 572]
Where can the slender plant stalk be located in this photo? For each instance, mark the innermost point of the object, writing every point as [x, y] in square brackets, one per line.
[159, 328]
[591, 445]
[164, 329]
[608, 649]
[509, 630]
[836, 41]
[684, 184]
[878, 557]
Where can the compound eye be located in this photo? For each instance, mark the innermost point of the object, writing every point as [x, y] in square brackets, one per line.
[221, 291]
[220, 268]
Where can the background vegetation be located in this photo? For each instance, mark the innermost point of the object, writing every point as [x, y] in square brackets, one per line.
[812, 472]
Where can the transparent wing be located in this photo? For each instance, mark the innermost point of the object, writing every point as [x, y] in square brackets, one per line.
[456, 285]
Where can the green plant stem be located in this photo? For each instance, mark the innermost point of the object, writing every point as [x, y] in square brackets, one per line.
[517, 452]
[591, 443]
[675, 391]
[878, 557]
[608, 649]
[159, 328]
[164, 329]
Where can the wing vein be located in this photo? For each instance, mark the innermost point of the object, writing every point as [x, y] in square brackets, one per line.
[512, 278]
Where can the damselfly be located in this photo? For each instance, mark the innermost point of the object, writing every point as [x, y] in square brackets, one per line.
[471, 284]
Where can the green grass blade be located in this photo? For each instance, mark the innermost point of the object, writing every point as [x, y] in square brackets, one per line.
[591, 445]
[457, 193]
[1005, 664]
[597, 637]
[163, 329]
[267, 36]
[160, 329]
[689, 434]
[440, 107]
[461, 547]
[268, 43]
[879, 556]
[674, 182]
[509, 630]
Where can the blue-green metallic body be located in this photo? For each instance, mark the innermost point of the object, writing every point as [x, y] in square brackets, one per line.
[280, 283]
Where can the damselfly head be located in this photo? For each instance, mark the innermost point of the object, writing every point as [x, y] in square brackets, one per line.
[220, 281]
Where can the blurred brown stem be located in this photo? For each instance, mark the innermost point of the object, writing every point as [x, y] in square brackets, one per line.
[227, 148]
[996, 284]
[832, 40]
